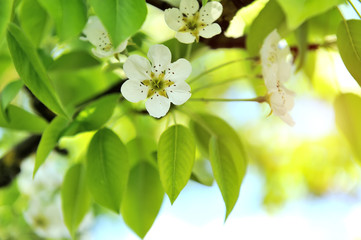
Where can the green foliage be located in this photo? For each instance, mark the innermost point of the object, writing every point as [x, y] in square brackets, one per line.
[143, 198]
[176, 153]
[122, 18]
[298, 11]
[49, 139]
[107, 169]
[349, 44]
[73, 61]
[268, 19]
[75, 197]
[141, 149]
[8, 94]
[69, 16]
[31, 69]
[15, 119]
[5, 13]
[348, 117]
[33, 19]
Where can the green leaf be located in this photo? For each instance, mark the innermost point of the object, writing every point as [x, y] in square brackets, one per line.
[323, 25]
[121, 18]
[33, 20]
[75, 197]
[49, 140]
[142, 199]
[301, 36]
[349, 45]
[69, 16]
[97, 113]
[202, 172]
[5, 13]
[297, 11]
[225, 172]
[268, 19]
[20, 119]
[31, 69]
[176, 154]
[8, 94]
[74, 61]
[141, 149]
[348, 118]
[107, 169]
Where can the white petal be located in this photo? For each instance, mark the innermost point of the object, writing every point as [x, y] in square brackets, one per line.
[210, 30]
[185, 37]
[134, 91]
[102, 54]
[121, 46]
[211, 12]
[160, 56]
[189, 7]
[157, 106]
[179, 70]
[96, 33]
[281, 102]
[137, 68]
[179, 92]
[287, 119]
[174, 19]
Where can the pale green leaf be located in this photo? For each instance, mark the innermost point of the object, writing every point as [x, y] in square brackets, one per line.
[73, 61]
[225, 172]
[122, 18]
[31, 69]
[348, 118]
[69, 16]
[176, 154]
[75, 197]
[142, 199]
[298, 11]
[5, 13]
[349, 45]
[49, 139]
[33, 20]
[202, 172]
[269, 18]
[19, 119]
[8, 94]
[107, 169]
[141, 149]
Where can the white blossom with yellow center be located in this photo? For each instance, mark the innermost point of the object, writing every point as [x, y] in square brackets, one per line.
[190, 23]
[97, 35]
[276, 70]
[160, 82]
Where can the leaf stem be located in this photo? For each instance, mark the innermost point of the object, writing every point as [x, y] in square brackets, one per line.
[189, 51]
[354, 8]
[260, 99]
[218, 67]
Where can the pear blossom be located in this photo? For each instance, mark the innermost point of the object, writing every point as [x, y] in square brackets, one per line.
[160, 82]
[191, 23]
[97, 35]
[276, 70]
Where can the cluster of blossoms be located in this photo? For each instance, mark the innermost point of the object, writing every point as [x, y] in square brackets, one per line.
[276, 70]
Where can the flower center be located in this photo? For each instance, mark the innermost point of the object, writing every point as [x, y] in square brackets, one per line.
[157, 85]
[192, 25]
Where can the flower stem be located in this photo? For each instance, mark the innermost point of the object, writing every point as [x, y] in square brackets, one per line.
[189, 51]
[354, 8]
[260, 99]
[217, 67]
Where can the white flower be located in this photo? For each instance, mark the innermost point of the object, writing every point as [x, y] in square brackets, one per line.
[97, 35]
[160, 82]
[191, 23]
[276, 70]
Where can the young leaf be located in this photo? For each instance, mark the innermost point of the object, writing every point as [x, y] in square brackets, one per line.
[19, 119]
[202, 173]
[121, 18]
[268, 19]
[176, 154]
[142, 199]
[33, 19]
[298, 11]
[141, 149]
[8, 94]
[74, 61]
[349, 45]
[49, 139]
[31, 69]
[96, 114]
[225, 172]
[107, 169]
[348, 118]
[69, 16]
[5, 13]
[75, 197]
